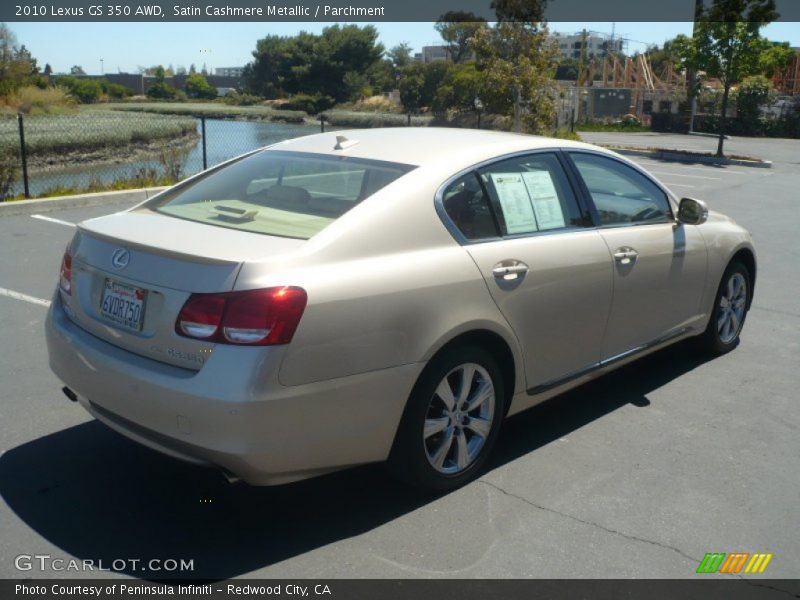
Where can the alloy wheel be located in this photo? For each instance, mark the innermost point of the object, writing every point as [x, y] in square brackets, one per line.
[731, 308]
[459, 418]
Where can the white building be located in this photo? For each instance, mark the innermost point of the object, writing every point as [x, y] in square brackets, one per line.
[229, 71]
[569, 45]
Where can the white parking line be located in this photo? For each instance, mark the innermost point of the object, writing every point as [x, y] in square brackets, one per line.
[707, 169]
[672, 185]
[673, 174]
[52, 220]
[23, 297]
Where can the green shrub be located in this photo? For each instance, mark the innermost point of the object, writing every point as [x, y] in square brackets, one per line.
[115, 90]
[350, 118]
[234, 98]
[566, 134]
[197, 86]
[85, 91]
[753, 93]
[161, 90]
[311, 104]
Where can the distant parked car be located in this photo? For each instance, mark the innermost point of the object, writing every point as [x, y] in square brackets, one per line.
[362, 296]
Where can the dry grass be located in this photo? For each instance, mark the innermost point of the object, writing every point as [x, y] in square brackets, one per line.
[377, 104]
[32, 100]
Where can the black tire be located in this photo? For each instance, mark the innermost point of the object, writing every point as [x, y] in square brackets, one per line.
[409, 459]
[711, 341]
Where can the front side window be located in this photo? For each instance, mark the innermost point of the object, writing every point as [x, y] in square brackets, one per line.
[621, 194]
[531, 193]
[289, 194]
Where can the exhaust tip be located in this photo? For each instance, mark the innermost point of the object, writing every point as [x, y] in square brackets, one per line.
[70, 394]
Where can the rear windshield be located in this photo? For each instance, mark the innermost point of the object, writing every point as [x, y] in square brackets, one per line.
[288, 194]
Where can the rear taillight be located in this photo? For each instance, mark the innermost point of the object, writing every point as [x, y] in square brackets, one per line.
[251, 318]
[65, 276]
[201, 316]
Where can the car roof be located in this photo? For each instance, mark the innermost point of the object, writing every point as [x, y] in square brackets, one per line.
[423, 146]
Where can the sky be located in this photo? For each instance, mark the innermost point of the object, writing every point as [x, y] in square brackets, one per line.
[123, 47]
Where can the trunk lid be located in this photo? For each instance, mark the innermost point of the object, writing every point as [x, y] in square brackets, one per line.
[155, 262]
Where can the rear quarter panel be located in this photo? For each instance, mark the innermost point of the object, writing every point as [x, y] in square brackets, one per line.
[387, 285]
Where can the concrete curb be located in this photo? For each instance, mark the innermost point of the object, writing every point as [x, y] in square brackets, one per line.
[704, 134]
[675, 156]
[30, 207]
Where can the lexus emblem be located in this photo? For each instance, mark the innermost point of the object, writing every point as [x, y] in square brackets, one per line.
[120, 258]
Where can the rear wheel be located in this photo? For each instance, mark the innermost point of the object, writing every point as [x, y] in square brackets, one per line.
[730, 310]
[451, 421]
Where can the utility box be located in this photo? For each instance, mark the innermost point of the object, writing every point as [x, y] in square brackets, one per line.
[608, 102]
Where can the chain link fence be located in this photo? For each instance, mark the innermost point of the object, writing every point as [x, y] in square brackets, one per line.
[101, 150]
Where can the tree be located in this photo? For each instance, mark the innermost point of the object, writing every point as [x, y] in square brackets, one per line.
[17, 66]
[316, 64]
[528, 12]
[457, 28]
[400, 55]
[567, 69]
[411, 86]
[461, 89]
[77, 70]
[197, 86]
[516, 60]
[467, 84]
[160, 88]
[752, 94]
[48, 70]
[775, 56]
[728, 45]
[668, 55]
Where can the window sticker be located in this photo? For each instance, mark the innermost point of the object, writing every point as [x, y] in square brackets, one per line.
[515, 202]
[543, 193]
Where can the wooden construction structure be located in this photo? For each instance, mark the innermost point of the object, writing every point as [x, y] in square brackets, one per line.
[787, 81]
[636, 74]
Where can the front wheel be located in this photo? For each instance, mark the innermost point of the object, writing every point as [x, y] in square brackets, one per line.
[730, 309]
[451, 421]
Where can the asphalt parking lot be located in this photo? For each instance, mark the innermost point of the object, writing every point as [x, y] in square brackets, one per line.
[638, 474]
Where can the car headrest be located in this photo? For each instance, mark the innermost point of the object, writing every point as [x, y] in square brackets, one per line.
[288, 194]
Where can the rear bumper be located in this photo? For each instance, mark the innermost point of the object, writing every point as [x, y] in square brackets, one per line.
[233, 413]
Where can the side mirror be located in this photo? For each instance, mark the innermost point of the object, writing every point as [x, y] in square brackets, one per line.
[692, 211]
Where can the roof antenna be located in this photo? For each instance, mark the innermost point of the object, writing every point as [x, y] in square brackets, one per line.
[342, 142]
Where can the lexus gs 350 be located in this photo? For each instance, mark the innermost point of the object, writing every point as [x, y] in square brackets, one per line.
[383, 295]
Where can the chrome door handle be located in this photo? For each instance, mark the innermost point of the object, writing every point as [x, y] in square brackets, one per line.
[510, 271]
[625, 255]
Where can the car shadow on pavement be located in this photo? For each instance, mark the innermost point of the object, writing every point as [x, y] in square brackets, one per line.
[98, 496]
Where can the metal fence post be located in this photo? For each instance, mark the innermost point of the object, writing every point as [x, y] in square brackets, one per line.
[322, 124]
[23, 155]
[409, 118]
[205, 153]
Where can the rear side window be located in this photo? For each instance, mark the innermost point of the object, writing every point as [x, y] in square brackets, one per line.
[621, 194]
[287, 194]
[468, 207]
[531, 193]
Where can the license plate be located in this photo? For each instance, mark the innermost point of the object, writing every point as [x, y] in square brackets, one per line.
[123, 304]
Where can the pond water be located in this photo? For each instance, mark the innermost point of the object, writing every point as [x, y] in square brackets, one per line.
[224, 139]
